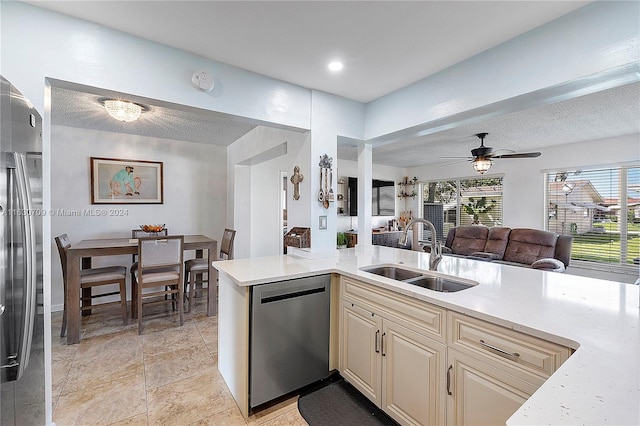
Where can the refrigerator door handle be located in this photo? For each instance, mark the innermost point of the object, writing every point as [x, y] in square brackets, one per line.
[25, 206]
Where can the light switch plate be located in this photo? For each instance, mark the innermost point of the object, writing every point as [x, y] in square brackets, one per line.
[323, 222]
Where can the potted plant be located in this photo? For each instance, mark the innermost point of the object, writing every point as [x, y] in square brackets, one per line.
[341, 240]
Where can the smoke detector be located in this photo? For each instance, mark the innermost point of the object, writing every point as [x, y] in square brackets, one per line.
[202, 81]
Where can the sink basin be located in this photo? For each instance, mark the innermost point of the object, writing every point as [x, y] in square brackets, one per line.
[394, 273]
[438, 284]
[426, 279]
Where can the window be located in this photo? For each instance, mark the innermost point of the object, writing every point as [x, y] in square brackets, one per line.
[601, 209]
[449, 203]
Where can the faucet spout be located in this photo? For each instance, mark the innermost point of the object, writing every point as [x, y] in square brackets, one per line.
[436, 248]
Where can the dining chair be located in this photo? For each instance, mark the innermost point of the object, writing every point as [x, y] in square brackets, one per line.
[159, 268]
[194, 269]
[139, 233]
[92, 277]
[135, 234]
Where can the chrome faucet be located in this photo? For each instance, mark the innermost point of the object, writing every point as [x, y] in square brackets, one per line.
[436, 247]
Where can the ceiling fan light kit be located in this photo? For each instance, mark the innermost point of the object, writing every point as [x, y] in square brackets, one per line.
[481, 165]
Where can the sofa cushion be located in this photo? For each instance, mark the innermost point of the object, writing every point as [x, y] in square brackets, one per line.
[528, 245]
[469, 239]
[497, 240]
[486, 255]
[563, 249]
[548, 264]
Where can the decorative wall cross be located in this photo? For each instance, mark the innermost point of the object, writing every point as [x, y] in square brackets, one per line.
[295, 180]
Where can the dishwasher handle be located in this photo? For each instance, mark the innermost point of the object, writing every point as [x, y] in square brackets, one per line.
[291, 293]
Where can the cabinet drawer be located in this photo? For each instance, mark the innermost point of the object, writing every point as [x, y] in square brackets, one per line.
[414, 314]
[513, 348]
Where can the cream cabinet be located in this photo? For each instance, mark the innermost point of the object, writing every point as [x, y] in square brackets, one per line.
[424, 365]
[394, 365]
[481, 394]
[360, 351]
[412, 376]
[493, 370]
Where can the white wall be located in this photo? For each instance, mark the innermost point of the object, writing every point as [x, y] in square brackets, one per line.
[194, 190]
[253, 198]
[266, 232]
[331, 116]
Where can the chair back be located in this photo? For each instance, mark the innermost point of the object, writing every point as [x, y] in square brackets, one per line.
[62, 241]
[226, 246]
[139, 233]
[160, 252]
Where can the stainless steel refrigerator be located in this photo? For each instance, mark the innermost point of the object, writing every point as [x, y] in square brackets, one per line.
[22, 369]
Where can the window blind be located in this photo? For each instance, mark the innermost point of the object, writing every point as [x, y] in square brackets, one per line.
[601, 209]
[461, 202]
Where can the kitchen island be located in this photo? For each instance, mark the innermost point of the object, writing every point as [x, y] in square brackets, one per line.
[598, 384]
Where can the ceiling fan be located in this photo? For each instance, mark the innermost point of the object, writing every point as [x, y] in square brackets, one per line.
[482, 156]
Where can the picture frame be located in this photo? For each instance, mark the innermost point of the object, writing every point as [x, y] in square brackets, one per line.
[122, 181]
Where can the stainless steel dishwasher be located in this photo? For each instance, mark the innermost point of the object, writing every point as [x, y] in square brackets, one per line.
[289, 336]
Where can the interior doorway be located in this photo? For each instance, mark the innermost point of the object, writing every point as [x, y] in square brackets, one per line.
[282, 206]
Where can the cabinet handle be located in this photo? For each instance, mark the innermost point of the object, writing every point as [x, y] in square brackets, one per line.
[513, 356]
[377, 334]
[382, 339]
[449, 380]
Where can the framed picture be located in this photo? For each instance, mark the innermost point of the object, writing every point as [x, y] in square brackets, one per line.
[116, 181]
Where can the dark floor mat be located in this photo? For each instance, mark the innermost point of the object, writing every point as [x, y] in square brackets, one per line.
[339, 403]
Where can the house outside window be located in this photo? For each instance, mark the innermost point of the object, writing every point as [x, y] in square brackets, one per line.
[600, 207]
[449, 203]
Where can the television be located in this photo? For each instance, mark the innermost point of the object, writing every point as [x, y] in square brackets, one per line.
[383, 197]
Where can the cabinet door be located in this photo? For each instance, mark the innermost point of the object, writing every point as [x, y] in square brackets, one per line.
[482, 394]
[413, 376]
[360, 360]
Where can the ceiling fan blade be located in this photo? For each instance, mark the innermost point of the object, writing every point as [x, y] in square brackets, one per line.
[468, 158]
[455, 162]
[518, 155]
[501, 151]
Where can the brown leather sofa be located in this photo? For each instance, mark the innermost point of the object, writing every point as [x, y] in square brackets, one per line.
[533, 248]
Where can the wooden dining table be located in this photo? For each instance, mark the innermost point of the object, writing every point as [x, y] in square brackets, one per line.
[80, 254]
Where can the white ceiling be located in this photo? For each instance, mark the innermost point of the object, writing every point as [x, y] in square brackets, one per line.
[385, 46]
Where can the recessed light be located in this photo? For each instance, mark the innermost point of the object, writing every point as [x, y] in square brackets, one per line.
[335, 66]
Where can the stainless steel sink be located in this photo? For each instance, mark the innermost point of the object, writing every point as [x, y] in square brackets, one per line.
[439, 284]
[392, 272]
[426, 279]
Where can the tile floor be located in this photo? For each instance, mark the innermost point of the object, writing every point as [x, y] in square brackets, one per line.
[166, 376]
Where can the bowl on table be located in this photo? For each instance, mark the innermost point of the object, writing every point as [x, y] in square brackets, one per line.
[152, 229]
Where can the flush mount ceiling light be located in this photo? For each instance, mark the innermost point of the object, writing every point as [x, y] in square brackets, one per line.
[335, 66]
[123, 110]
[482, 164]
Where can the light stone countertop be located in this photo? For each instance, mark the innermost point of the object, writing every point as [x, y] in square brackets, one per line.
[599, 384]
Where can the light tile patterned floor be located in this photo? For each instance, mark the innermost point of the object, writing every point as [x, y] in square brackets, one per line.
[166, 376]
